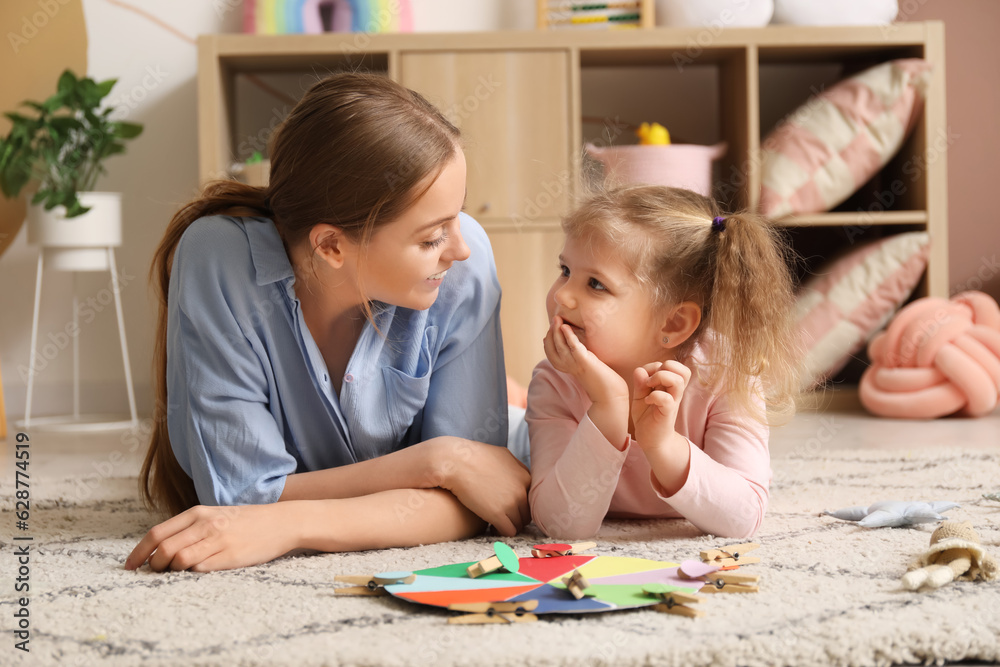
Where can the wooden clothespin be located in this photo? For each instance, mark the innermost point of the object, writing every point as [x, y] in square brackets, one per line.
[372, 584]
[730, 582]
[675, 601]
[717, 580]
[731, 555]
[576, 584]
[503, 557]
[495, 612]
[550, 550]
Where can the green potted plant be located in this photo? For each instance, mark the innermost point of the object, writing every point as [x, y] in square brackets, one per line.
[57, 157]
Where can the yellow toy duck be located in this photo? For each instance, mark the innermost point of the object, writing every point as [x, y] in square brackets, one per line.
[652, 135]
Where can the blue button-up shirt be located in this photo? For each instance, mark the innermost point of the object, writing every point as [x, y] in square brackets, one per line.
[250, 397]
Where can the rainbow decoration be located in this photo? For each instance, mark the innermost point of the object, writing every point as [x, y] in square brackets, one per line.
[283, 17]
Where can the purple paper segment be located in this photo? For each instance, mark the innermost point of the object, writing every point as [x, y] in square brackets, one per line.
[552, 600]
[695, 568]
[665, 576]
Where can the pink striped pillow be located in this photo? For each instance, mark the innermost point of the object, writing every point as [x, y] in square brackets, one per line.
[830, 146]
[845, 303]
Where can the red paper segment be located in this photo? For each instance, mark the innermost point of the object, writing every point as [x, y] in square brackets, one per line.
[547, 569]
[445, 598]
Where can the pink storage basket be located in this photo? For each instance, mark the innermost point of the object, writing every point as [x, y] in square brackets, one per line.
[677, 165]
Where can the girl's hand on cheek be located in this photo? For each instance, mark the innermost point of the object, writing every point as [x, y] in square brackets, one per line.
[205, 538]
[659, 388]
[567, 354]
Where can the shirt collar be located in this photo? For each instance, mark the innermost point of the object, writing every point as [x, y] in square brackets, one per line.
[267, 250]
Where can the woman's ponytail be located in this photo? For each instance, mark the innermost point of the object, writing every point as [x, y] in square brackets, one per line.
[163, 484]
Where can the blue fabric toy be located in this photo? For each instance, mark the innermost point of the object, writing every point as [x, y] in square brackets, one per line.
[894, 513]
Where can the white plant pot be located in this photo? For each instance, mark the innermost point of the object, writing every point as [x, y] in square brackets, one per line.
[714, 13]
[80, 243]
[839, 12]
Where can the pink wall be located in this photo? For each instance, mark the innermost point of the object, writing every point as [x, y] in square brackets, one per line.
[972, 60]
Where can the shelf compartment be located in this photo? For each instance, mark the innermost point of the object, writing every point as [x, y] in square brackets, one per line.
[703, 103]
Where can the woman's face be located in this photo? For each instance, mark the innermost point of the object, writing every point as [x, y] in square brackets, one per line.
[408, 258]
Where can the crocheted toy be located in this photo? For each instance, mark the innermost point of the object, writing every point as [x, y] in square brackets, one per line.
[955, 553]
[894, 513]
[937, 357]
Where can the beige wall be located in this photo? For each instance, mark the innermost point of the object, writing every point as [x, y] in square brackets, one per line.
[972, 57]
[149, 47]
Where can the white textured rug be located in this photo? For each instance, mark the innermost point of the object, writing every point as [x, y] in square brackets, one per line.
[830, 589]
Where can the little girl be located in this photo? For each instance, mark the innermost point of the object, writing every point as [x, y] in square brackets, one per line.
[669, 341]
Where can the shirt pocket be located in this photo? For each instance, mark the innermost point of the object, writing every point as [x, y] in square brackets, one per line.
[407, 390]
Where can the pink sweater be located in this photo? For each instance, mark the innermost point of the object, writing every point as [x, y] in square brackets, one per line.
[578, 477]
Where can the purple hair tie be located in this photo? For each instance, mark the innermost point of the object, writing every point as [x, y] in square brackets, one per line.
[719, 224]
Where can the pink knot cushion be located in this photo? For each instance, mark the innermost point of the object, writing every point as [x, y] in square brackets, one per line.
[937, 357]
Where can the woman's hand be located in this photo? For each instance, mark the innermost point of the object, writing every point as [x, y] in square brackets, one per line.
[487, 479]
[205, 538]
[657, 393]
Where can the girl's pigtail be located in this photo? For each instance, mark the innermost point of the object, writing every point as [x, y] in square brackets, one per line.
[751, 316]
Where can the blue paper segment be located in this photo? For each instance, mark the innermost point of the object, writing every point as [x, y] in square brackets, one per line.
[552, 600]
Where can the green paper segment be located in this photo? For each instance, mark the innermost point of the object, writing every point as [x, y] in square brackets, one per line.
[507, 557]
[459, 570]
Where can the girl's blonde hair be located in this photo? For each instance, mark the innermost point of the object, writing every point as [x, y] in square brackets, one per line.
[355, 152]
[736, 271]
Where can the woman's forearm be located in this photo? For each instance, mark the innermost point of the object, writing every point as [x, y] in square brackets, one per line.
[411, 468]
[395, 518]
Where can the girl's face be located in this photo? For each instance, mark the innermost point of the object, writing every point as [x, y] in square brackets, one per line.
[607, 307]
[407, 259]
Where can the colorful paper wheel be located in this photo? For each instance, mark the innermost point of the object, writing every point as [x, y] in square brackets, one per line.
[616, 582]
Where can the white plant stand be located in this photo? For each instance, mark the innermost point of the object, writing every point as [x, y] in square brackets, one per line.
[68, 245]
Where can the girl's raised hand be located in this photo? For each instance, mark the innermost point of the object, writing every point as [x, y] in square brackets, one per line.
[567, 354]
[657, 393]
[206, 538]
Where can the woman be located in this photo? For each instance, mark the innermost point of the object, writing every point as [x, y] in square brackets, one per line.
[329, 363]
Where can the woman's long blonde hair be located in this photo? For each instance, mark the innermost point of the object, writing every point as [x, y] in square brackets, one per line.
[352, 153]
[736, 271]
